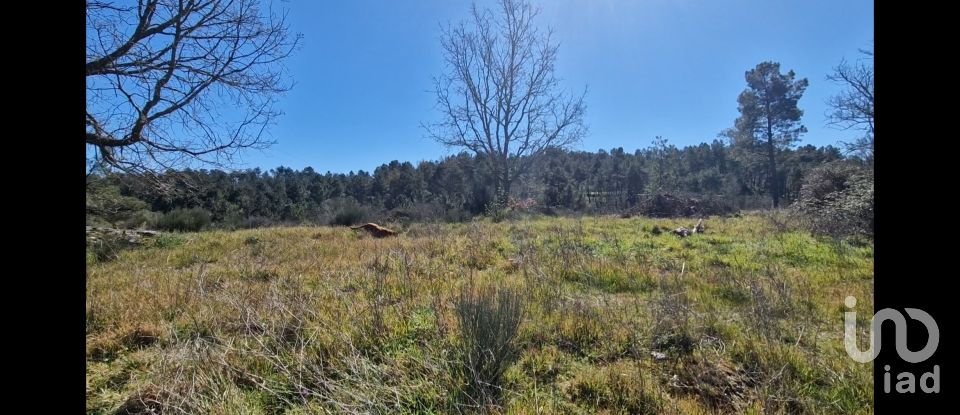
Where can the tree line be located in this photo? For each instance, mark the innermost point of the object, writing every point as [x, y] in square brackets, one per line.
[455, 188]
[159, 71]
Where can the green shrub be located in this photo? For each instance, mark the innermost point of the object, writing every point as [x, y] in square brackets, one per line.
[254, 222]
[184, 220]
[350, 215]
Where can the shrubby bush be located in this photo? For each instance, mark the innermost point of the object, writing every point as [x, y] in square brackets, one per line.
[342, 211]
[348, 216]
[184, 220]
[836, 199]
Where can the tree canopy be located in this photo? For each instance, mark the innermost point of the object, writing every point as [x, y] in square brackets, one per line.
[499, 97]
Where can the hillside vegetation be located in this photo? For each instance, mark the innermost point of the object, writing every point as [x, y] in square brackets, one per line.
[550, 315]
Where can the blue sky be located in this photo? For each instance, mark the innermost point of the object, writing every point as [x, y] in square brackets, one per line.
[653, 67]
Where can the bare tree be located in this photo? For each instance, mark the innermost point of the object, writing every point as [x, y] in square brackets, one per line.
[853, 107]
[499, 97]
[171, 82]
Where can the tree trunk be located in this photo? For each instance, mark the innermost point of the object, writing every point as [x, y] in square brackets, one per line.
[771, 154]
[503, 197]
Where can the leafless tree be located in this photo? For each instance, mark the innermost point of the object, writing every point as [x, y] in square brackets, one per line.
[172, 82]
[853, 107]
[499, 97]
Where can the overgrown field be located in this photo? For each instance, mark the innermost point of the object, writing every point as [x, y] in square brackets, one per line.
[593, 315]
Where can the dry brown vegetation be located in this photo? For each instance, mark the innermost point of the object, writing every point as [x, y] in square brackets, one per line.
[599, 315]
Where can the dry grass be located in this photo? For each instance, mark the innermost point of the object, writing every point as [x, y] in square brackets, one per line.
[327, 320]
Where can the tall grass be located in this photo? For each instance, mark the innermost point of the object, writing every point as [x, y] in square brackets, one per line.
[549, 315]
[489, 320]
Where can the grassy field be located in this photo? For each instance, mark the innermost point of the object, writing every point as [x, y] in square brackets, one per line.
[592, 315]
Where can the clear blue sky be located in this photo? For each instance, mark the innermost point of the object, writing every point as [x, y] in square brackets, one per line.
[653, 67]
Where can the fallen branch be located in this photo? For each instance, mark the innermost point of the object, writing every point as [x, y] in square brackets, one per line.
[141, 232]
[684, 232]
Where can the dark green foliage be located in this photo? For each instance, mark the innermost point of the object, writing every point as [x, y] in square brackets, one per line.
[106, 204]
[769, 122]
[461, 187]
[665, 205]
[184, 220]
[256, 222]
[348, 216]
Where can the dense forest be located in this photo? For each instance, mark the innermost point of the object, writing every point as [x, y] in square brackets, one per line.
[455, 188]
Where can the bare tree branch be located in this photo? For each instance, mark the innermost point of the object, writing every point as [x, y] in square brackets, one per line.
[172, 82]
[499, 96]
[853, 107]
